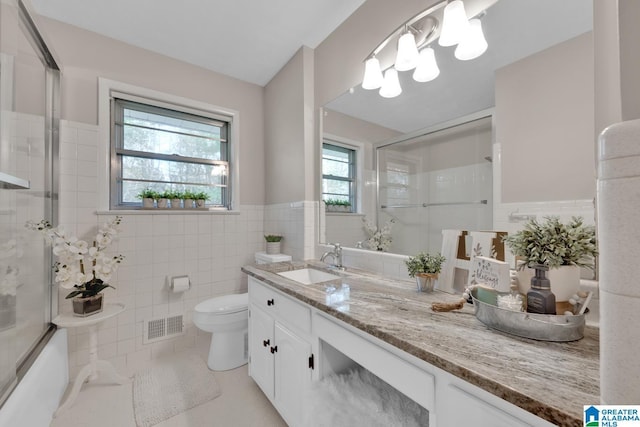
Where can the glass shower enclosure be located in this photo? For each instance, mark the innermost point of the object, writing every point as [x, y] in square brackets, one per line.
[437, 179]
[29, 92]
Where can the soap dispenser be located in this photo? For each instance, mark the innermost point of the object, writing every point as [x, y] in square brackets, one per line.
[540, 299]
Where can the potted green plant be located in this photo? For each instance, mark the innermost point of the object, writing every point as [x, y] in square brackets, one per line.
[148, 196]
[425, 268]
[188, 199]
[562, 248]
[337, 205]
[273, 243]
[174, 197]
[163, 199]
[201, 199]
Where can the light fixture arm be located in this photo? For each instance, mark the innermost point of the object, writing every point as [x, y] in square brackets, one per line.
[410, 24]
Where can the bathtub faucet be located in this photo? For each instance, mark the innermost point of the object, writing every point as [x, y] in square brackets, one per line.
[336, 254]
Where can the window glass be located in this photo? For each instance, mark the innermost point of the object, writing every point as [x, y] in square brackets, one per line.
[338, 175]
[167, 151]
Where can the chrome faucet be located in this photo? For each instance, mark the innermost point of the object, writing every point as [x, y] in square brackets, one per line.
[336, 254]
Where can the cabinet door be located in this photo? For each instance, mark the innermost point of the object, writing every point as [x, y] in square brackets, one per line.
[261, 341]
[293, 374]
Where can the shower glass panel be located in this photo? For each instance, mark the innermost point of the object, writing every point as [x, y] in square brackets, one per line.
[437, 180]
[28, 83]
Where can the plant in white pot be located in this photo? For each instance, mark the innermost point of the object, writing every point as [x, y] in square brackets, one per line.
[85, 269]
[188, 199]
[563, 248]
[425, 268]
[273, 243]
[175, 198]
[163, 199]
[201, 199]
[148, 196]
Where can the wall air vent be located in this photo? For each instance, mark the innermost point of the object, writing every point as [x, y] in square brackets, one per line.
[163, 328]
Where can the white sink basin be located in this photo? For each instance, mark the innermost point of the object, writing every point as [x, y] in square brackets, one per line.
[308, 276]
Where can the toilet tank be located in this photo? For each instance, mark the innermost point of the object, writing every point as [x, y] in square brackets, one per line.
[264, 258]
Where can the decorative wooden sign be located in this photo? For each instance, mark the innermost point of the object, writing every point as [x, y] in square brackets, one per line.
[490, 273]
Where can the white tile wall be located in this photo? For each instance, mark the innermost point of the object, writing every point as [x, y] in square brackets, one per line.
[209, 248]
[298, 223]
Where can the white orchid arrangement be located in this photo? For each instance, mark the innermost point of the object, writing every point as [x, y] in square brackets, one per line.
[379, 239]
[86, 269]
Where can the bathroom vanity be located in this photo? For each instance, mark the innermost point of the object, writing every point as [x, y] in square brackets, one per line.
[451, 364]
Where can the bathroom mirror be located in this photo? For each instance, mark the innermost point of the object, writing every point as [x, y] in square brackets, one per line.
[459, 102]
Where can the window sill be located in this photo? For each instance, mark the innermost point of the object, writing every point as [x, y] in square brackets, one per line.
[168, 212]
[344, 213]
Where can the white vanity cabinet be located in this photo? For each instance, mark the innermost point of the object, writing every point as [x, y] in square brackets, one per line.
[283, 332]
[280, 351]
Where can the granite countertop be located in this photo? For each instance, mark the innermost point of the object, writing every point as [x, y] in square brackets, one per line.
[550, 380]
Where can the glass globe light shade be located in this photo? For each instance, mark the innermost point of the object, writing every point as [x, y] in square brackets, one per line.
[454, 24]
[407, 56]
[372, 74]
[391, 86]
[473, 44]
[427, 68]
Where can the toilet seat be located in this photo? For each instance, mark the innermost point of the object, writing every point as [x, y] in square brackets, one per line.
[226, 304]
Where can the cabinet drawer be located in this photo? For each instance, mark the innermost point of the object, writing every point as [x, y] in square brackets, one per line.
[290, 312]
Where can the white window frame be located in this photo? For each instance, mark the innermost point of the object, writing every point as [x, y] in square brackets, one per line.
[108, 89]
[359, 148]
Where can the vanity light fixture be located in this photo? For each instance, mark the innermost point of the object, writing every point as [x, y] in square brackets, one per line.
[391, 85]
[454, 24]
[427, 68]
[414, 39]
[372, 74]
[473, 44]
[407, 57]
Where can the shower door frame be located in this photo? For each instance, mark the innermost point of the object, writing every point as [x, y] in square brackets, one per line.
[51, 181]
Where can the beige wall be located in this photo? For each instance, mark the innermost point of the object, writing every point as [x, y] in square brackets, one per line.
[289, 124]
[85, 56]
[617, 63]
[352, 128]
[545, 124]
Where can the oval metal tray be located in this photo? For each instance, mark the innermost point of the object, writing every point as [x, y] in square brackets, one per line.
[543, 327]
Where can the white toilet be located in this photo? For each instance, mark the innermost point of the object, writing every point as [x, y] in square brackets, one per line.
[227, 319]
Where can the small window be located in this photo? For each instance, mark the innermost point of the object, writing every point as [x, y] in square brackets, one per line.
[339, 174]
[167, 150]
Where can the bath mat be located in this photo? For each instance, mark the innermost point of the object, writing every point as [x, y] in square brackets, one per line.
[170, 387]
[359, 398]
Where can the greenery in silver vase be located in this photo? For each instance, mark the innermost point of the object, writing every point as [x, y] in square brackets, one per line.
[553, 243]
[272, 238]
[424, 263]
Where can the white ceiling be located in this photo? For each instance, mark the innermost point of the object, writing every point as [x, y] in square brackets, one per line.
[514, 29]
[247, 39]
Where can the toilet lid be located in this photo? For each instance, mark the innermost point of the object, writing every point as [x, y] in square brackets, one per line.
[224, 304]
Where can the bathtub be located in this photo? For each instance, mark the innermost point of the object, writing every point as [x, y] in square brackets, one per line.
[38, 394]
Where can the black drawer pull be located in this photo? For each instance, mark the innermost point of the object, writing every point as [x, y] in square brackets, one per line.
[274, 349]
[266, 343]
[270, 301]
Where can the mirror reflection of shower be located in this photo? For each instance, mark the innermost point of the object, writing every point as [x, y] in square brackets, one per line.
[438, 179]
